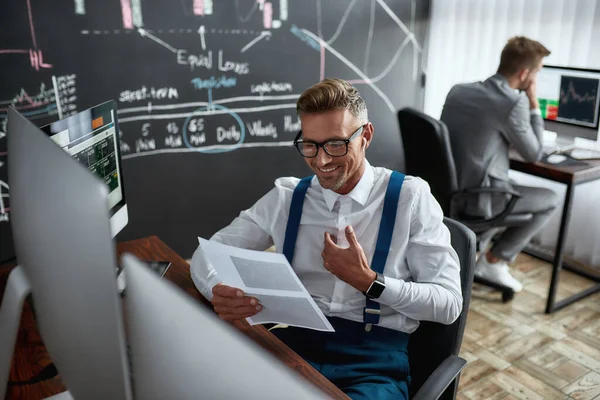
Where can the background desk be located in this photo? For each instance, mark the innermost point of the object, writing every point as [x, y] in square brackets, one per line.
[570, 176]
[31, 357]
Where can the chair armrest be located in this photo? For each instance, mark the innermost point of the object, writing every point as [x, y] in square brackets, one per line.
[514, 196]
[499, 190]
[441, 378]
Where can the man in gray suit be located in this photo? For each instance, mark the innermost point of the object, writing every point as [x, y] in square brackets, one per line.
[485, 119]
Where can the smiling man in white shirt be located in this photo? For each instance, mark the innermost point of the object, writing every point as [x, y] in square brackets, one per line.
[374, 271]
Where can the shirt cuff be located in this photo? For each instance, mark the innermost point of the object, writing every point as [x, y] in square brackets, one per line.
[393, 293]
[205, 286]
[212, 282]
[536, 111]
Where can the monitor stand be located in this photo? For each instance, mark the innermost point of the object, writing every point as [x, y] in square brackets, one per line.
[565, 141]
[16, 291]
[587, 144]
[554, 143]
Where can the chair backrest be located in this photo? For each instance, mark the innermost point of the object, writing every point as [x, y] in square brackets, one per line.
[432, 342]
[428, 153]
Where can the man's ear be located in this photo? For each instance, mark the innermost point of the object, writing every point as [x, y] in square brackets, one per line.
[368, 134]
[523, 74]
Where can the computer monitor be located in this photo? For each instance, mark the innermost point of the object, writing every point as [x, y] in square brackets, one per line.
[181, 350]
[570, 101]
[92, 137]
[60, 223]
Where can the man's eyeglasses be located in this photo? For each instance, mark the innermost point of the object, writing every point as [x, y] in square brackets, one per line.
[334, 147]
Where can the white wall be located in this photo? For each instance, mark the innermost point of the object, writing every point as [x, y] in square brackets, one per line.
[467, 36]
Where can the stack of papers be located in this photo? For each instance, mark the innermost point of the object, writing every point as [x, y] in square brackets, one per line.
[269, 277]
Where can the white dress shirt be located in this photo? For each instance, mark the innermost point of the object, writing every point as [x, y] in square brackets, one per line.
[421, 273]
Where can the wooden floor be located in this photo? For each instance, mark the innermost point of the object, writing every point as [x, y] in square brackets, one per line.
[515, 351]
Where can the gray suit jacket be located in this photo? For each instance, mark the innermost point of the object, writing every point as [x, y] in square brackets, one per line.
[484, 119]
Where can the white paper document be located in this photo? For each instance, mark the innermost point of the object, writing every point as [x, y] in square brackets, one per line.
[269, 277]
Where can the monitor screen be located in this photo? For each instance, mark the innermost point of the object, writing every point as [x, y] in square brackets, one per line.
[569, 96]
[91, 137]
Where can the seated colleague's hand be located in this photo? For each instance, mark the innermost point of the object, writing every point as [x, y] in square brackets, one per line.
[350, 264]
[532, 94]
[231, 304]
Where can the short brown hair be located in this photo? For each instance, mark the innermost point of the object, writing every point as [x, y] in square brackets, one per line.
[520, 53]
[332, 94]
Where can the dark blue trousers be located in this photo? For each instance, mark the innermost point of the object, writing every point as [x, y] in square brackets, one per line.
[364, 365]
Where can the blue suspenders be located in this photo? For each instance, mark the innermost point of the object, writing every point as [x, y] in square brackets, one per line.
[291, 230]
[384, 237]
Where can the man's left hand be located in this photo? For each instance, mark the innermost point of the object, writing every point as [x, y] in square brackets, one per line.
[350, 264]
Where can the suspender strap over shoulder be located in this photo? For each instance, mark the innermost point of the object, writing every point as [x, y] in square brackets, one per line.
[291, 230]
[384, 238]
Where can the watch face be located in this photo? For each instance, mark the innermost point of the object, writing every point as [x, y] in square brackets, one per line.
[376, 289]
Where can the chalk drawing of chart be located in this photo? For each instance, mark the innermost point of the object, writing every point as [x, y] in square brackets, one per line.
[187, 112]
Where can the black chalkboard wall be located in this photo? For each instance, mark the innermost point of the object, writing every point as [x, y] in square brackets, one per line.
[206, 91]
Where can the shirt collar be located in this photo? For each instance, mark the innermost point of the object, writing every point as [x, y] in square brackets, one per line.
[360, 193]
[498, 77]
[502, 80]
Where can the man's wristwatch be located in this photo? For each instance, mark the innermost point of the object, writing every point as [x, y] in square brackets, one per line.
[376, 288]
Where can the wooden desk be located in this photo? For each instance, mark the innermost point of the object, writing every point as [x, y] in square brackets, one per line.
[571, 176]
[31, 355]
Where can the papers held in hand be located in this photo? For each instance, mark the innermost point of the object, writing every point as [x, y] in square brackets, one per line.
[270, 278]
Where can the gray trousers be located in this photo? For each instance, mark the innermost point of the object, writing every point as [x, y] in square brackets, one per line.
[539, 201]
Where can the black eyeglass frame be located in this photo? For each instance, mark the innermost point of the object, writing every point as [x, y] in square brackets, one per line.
[356, 133]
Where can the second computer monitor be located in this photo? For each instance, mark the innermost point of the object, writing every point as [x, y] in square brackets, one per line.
[570, 101]
[182, 350]
[92, 137]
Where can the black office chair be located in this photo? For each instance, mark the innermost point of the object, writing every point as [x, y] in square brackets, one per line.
[428, 154]
[433, 348]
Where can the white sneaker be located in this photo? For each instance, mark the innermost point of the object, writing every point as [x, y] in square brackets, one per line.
[496, 272]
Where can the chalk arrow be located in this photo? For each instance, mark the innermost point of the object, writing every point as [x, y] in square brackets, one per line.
[144, 33]
[263, 34]
[201, 31]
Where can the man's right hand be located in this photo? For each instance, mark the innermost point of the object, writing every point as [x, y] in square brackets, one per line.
[532, 94]
[231, 304]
